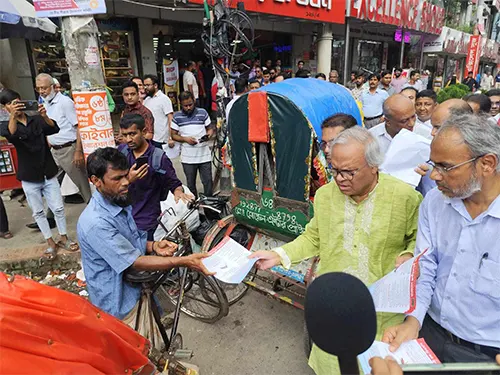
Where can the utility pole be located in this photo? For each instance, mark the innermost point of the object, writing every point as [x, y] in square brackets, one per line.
[80, 40]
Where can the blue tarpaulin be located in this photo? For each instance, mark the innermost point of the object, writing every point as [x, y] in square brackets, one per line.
[316, 98]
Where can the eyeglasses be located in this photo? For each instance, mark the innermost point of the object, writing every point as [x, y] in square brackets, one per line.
[346, 174]
[443, 170]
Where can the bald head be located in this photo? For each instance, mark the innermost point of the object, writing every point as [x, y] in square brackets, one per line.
[444, 110]
[399, 113]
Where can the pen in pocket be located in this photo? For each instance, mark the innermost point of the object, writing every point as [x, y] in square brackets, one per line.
[485, 256]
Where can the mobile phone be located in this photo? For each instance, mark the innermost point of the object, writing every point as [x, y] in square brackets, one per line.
[204, 138]
[29, 105]
[140, 161]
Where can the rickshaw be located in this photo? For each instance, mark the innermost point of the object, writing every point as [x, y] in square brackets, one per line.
[274, 136]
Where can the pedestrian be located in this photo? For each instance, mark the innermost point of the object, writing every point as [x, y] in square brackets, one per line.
[300, 66]
[487, 81]
[364, 223]
[497, 80]
[189, 81]
[331, 128]
[304, 73]
[358, 89]
[112, 244]
[320, 76]
[452, 81]
[254, 84]
[457, 299]
[425, 105]
[268, 65]
[410, 93]
[253, 71]
[398, 81]
[399, 113]
[373, 100]
[4, 222]
[470, 82]
[200, 80]
[160, 106]
[480, 103]
[130, 93]
[149, 182]
[414, 81]
[494, 95]
[352, 83]
[266, 77]
[438, 81]
[192, 128]
[140, 86]
[272, 71]
[333, 77]
[37, 169]
[241, 87]
[385, 82]
[66, 145]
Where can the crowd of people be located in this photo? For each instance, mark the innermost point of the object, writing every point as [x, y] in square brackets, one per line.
[365, 222]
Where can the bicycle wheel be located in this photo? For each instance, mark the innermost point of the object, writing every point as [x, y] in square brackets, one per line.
[242, 235]
[194, 302]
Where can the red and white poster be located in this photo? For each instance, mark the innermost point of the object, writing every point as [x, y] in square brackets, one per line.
[472, 61]
[64, 8]
[94, 120]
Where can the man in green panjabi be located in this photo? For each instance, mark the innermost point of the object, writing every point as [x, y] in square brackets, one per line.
[364, 224]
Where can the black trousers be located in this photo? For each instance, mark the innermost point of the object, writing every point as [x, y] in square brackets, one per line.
[4, 222]
[191, 172]
[450, 349]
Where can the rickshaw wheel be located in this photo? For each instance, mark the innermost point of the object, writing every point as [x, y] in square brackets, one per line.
[234, 292]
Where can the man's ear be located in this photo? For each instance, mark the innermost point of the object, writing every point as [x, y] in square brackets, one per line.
[96, 181]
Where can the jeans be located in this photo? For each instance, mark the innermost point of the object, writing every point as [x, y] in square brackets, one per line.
[50, 189]
[191, 171]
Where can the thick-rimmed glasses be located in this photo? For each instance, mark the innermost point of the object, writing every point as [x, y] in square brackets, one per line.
[346, 174]
[443, 170]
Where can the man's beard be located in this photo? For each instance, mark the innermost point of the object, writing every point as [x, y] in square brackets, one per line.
[466, 191]
[121, 201]
[189, 113]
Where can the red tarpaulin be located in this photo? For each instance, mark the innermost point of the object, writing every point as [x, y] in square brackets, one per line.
[45, 330]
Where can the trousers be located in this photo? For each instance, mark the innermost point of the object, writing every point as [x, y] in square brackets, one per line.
[51, 191]
[191, 172]
[4, 221]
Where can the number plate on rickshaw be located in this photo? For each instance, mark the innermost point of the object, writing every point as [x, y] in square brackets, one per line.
[297, 272]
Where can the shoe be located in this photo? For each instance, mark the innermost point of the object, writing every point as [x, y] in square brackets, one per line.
[74, 199]
[52, 224]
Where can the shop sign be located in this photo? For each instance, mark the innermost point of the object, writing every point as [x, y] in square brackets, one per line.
[417, 15]
[490, 50]
[94, 120]
[316, 10]
[65, 8]
[450, 41]
[472, 61]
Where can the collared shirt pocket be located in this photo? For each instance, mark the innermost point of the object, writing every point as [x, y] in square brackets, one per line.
[486, 279]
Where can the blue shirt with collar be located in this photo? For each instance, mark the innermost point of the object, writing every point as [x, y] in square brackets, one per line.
[110, 243]
[372, 103]
[459, 283]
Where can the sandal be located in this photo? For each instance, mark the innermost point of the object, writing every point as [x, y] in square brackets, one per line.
[50, 253]
[68, 245]
[6, 235]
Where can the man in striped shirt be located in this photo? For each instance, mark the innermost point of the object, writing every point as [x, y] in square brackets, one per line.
[191, 127]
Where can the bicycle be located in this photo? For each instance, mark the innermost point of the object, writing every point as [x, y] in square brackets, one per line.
[202, 296]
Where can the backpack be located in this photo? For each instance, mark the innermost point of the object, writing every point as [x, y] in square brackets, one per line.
[156, 165]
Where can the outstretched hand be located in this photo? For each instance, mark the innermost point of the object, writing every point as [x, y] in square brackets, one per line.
[266, 259]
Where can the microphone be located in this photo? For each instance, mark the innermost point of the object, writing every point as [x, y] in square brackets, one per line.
[340, 317]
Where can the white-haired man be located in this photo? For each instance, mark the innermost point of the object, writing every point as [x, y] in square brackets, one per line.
[458, 291]
[66, 145]
[364, 224]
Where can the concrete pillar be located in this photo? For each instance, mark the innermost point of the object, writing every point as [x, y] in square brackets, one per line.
[146, 45]
[325, 49]
[15, 71]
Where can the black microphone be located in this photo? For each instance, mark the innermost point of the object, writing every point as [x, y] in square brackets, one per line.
[340, 317]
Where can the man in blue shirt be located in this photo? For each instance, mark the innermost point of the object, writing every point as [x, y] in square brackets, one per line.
[110, 241]
[373, 100]
[458, 291]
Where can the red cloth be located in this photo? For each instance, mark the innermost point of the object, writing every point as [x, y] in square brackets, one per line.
[258, 117]
[214, 94]
[45, 330]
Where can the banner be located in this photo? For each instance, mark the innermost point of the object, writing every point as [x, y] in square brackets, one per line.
[64, 8]
[171, 80]
[94, 120]
[472, 61]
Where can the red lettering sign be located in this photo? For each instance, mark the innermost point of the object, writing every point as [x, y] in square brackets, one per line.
[472, 61]
[318, 10]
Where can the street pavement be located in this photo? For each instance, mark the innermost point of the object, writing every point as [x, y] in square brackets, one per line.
[259, 336]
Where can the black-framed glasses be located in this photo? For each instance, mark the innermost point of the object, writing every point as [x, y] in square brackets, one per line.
[345, 173]
[443, 170]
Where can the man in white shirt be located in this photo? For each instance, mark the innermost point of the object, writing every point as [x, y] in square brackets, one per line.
[160, 106]
[241, 87]
[189, 81]
[425, 105]
[399, 113]
[373, 99]
[487, 81]
[414, 81]
[191, 127]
